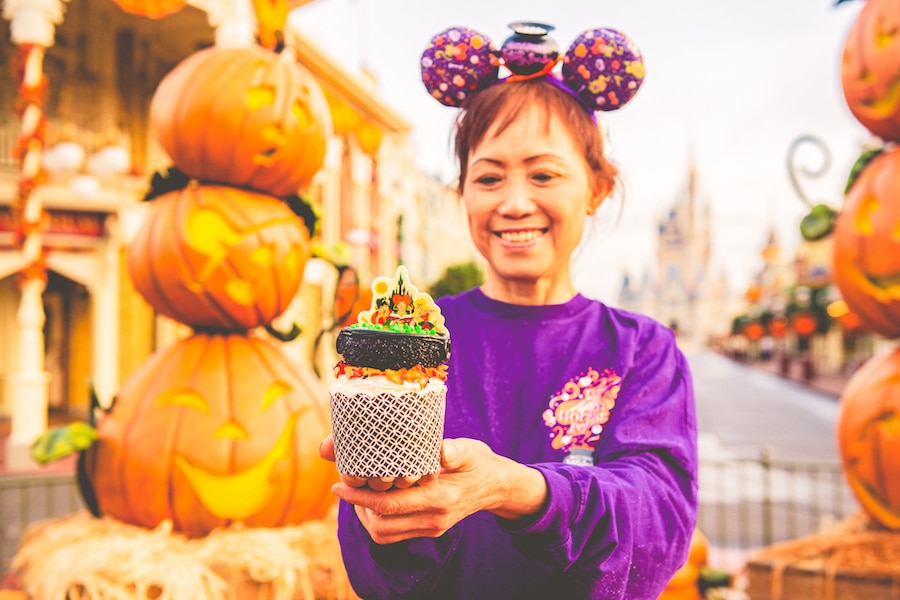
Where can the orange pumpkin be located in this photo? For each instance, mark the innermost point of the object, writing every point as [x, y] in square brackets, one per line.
[869, 67]
[685, 584]
[868, 435]
[866, 256]
[217, 257]
[152, 9]
[214, 430]
[243, 116]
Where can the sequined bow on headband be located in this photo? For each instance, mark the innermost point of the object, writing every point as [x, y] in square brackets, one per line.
[602, 68]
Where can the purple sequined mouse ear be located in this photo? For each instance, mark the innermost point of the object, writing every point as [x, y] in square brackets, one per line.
[604, 67]
[457, 63]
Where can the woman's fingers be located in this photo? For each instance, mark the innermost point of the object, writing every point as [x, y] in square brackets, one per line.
[381, 484]
[326, 448]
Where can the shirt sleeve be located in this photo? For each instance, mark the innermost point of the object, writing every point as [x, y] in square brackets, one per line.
[406, 569]
[622, 528]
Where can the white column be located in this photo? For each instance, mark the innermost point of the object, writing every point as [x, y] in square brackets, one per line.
[105, 347]
[30, 382]
[234, 22]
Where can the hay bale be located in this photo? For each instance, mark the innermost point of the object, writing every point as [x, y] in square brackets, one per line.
[856, 559]
[79, 557]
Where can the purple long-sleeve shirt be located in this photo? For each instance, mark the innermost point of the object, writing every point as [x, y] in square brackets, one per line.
[548, 386]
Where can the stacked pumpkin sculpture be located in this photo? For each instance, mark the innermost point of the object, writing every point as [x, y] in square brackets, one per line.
[866, 262]
[221, 427]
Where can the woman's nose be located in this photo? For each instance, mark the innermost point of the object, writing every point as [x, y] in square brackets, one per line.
[516, 201]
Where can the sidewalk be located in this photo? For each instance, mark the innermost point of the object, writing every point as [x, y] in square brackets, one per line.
[830, 384]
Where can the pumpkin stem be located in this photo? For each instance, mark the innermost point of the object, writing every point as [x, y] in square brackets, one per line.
[171, 180]
[303, 208]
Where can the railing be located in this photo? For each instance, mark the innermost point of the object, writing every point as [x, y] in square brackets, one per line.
[745, 504]
[748, 504]
[25, 499]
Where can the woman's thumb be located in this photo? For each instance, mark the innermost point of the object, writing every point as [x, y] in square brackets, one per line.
[450, 452]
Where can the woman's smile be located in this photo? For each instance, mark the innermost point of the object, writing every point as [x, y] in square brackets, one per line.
[520, 237]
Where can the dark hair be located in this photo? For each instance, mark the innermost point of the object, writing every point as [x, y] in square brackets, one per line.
[503, 103]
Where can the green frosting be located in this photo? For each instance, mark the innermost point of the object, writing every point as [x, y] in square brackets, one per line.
[396, 328]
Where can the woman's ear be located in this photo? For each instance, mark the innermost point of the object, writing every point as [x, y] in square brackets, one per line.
[601, 192]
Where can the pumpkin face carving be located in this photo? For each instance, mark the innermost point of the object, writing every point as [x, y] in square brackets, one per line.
[213, 430]
[216, 257]
[242, 116]
[869, 436]
[870, 65]
[867, 246]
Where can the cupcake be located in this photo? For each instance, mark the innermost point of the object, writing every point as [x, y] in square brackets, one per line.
[388, 398]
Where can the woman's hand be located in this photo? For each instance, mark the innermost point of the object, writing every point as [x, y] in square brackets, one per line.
[472, 479]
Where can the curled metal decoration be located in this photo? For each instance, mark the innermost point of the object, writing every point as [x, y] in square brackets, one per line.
[793, 168]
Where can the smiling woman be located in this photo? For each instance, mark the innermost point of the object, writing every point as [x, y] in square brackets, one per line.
[569, 464]
[529, 182]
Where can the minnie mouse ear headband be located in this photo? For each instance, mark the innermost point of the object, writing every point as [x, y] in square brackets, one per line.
[602, 68]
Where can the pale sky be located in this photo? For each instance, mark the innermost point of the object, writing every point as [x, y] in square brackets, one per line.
[729, 83]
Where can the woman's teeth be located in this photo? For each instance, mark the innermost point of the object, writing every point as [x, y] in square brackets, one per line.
[519, 237]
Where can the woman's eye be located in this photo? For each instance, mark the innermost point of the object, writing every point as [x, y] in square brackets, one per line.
[487, 179]
[543, 177]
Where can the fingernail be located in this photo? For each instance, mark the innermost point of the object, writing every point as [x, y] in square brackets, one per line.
[336, 489]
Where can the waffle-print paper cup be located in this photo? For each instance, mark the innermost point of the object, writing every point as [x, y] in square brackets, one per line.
[387, 434]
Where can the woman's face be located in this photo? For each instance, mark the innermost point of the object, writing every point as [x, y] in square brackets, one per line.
[527, 194]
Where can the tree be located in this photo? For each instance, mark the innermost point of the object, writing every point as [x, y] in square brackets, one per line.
[457, 278]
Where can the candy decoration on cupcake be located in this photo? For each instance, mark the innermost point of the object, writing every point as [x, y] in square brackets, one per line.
[401, 336]
[603, 67]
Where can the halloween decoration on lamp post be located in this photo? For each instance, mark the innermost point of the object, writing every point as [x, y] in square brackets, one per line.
[866, 268]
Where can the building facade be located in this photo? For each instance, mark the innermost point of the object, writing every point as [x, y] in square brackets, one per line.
[80, 324]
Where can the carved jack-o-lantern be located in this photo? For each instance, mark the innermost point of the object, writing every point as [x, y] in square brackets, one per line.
[216, 257]
[213, 430]
[867, 246]
[152, 9]
[869, 68]
[243, 116]
[868, 432]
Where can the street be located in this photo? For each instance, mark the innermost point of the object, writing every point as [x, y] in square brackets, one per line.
[741, 410]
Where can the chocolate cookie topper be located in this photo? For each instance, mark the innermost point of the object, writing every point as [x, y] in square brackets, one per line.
[602, 68]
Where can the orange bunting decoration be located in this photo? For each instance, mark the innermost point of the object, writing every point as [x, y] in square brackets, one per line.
[152, 9]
